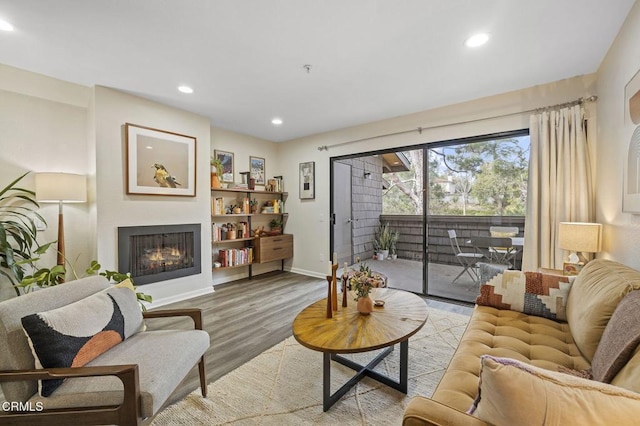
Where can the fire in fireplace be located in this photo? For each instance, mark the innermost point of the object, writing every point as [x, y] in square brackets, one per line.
[158, 253]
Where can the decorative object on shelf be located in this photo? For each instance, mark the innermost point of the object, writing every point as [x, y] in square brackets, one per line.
[226, 160]
[253, 206]
[160, 162]
[307, 180]
[216, 172]
[257, 169]
[362, 281]
[631, 176]
[276, 226]
[245, 180]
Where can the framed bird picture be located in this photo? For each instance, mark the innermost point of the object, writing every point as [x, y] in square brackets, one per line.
[160, 162]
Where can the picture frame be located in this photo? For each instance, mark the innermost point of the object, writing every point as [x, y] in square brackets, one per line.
[227, 164]
[307, 178]
[159, 162]
[631, 165]
[257, 170]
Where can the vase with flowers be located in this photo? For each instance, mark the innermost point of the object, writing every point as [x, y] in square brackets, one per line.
[362, 281]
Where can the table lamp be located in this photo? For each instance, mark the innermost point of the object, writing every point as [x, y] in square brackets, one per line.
[578, 237]
[61, 188]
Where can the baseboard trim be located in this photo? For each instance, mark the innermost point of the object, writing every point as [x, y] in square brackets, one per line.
[305, 272]
[180, 297]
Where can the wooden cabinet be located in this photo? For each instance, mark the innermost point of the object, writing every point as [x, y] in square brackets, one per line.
[278, 247]
[241, 249]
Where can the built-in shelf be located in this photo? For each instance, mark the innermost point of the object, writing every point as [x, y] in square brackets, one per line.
[252, 191]
[249, 214]
[232, 267]
[232, 241]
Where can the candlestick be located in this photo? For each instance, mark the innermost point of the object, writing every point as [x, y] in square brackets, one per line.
[345, 278]
[335, 258]
[334, 288]
[329, 268]
[329, 307]
[345, 269]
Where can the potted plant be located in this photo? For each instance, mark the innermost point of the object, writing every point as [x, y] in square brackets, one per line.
[276, 225]
[216, 172]
[19, 249]
[382, 241]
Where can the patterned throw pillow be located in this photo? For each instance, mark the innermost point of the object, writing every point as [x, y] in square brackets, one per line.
[75, 334]
[532, 293]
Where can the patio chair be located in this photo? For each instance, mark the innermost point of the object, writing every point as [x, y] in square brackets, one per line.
[468, 260]
[497, 250]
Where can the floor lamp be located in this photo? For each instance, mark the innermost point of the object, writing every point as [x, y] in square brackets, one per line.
[61, 188]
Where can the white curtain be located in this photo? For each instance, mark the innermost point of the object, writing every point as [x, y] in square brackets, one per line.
[560, 187]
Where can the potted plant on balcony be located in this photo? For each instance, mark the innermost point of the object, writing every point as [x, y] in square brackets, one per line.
[383, 240]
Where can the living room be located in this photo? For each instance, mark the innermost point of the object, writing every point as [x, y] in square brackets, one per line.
[50, 124]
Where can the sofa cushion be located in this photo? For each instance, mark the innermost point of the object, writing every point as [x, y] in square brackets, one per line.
[73, 335]
[16, 354]
[164, 358]
[619, 339]
[594, 296]
[515, 393]
[528, 292]
[539, 341]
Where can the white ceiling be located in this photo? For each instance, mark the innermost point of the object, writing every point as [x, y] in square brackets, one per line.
[371, 59]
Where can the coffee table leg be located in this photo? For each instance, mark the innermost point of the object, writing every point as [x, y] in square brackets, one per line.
[402, 385]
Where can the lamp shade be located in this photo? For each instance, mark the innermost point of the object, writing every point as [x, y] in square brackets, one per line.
[65, 187]
[580, 236]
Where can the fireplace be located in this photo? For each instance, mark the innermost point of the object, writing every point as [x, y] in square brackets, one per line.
[159, 253]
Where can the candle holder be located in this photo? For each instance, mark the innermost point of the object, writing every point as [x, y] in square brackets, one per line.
[345, 278]
[329, 304]
[334, 287]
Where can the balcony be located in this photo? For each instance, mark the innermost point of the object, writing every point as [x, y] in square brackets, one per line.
[406, 271]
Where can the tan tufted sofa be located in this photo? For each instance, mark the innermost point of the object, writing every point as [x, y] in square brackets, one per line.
[542, 342]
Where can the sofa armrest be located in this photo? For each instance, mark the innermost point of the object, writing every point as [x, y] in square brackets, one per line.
[194, 313]
[424, 411]
[126, 413]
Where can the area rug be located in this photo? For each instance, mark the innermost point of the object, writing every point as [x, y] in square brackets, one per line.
[283, 385]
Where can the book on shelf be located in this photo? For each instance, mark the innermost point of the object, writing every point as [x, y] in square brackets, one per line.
[217, 206]
[234, 257]
[275, 185]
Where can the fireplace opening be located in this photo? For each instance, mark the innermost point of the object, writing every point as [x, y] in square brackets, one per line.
[158, 253]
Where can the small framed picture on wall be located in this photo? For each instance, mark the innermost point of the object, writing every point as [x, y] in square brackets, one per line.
[308, 180]
[226, 158]
[256, 166]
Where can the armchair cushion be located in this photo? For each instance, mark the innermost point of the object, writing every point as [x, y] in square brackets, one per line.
[513, 392]
[531, 293]
[73, 335]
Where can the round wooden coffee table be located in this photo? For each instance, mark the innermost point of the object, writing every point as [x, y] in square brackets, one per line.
[402, 316]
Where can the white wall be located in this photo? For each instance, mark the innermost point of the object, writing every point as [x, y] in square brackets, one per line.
[43, 128]
[242, 147]
[308, 218]
[621, 233]
[114, 208]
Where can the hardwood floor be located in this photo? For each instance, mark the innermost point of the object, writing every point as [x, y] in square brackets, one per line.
[246, 317]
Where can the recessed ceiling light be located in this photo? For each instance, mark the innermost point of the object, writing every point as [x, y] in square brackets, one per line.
[276, 121]
[477, 40]
[185, 89]
[5, 26]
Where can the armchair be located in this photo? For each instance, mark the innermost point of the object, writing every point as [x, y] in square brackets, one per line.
[128, 384]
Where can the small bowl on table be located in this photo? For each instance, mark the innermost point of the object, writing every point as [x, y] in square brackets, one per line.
[378, 303]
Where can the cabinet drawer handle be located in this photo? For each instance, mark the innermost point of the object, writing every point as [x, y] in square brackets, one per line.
[277, 248]
[277, 240]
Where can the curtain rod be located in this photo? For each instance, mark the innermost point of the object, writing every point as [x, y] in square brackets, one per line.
[578, 101]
